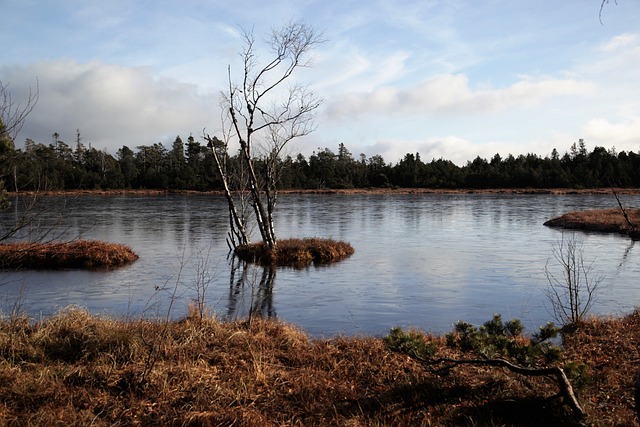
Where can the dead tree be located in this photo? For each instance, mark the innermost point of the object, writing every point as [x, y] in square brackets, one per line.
[572, 292]
[263, 117]
[12, 117]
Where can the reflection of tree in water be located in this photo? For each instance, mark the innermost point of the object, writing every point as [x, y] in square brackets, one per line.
[247, 296]
[626, 253]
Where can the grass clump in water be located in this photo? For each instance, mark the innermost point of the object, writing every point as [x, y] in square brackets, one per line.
[296, 252]
[603, 220]
[77, 254]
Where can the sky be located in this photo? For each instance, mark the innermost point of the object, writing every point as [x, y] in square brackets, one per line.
[451, 79]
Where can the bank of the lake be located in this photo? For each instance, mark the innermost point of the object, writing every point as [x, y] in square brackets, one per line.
[345, 191]
[76, 368]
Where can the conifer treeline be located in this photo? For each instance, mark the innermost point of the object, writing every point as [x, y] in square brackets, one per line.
[189, 166]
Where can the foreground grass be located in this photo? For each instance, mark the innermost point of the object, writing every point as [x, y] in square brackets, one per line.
[79, 369]
[296, 252]
[83, 254]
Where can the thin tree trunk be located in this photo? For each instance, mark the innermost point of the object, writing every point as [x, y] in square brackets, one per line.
[237, 225]
[261, 214]
[261, 217]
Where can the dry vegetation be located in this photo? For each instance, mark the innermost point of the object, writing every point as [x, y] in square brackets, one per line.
[79, 369]
[86, 254]
[296, 252]
[606, 220]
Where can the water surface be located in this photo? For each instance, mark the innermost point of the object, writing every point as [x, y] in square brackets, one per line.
[423, 260]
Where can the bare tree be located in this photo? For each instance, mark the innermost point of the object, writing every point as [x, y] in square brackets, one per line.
[12, 118]
[572, 292]
[263, 118]
[28, 214]
[12, 114]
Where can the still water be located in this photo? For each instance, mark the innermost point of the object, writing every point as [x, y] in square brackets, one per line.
[421, 260]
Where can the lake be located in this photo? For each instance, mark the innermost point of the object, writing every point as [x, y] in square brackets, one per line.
[421, 260]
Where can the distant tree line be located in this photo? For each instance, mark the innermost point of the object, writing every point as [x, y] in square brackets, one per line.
[190, 166]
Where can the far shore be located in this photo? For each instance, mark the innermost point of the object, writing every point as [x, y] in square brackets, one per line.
[348, 191]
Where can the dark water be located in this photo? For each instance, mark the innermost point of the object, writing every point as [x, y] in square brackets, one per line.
[421, 260]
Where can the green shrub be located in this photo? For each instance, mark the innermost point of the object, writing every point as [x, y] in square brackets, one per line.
[411, 343]
[494, 339]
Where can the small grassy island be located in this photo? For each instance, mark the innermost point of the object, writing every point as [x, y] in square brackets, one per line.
[296, 252]
[77, 254]
[602, 220]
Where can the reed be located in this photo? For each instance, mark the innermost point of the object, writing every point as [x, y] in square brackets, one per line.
[77, 254]
[296, 252]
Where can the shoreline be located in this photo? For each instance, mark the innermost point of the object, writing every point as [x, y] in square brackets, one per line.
[151, 192]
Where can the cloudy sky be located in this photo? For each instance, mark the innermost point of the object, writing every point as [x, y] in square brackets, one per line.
[445, 78]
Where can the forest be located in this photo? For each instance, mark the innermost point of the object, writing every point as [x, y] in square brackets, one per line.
[190, 166]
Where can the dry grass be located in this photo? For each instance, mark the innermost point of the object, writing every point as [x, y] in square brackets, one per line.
[87, 254]
[606, 220]
[296, 252]
[607, 351]
[79, 369]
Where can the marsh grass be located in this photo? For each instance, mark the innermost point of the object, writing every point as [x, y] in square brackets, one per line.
[80, 369]
[77, 254]
[296, 252]
[604, 220]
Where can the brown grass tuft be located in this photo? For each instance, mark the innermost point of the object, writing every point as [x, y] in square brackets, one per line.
[83, 254]
[296, 252]
[605, 220]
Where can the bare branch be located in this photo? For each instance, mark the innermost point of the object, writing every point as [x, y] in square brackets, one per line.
[12, 114]
[602, 8]
[573, 292]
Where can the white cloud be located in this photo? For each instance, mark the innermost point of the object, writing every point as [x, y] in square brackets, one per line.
[624, 135]
[619, 41]
[451, 93]
[449, 147]
[111, 105]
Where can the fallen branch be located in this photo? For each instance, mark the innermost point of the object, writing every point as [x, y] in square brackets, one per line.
[553, 371]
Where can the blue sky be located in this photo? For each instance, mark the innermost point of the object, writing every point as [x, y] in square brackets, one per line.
[449, 79]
